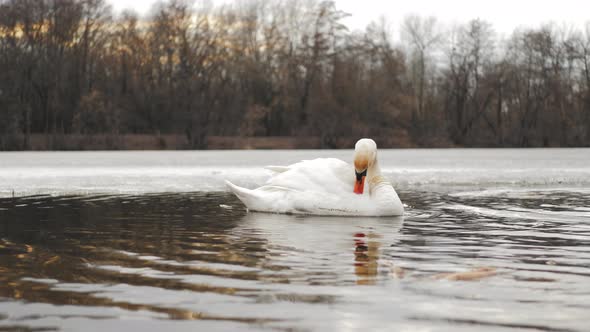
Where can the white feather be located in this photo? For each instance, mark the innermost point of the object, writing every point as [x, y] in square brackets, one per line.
[322, 186]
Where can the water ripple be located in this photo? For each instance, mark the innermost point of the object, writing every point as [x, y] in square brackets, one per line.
[458, 260]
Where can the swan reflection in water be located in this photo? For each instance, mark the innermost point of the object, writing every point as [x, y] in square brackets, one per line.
[366, 257]
[324, 250]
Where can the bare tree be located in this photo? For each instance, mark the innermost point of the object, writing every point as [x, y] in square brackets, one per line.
[469, 90]
[283, 68]
[423, 36]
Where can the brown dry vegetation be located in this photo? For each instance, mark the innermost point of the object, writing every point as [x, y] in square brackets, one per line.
[280, 74]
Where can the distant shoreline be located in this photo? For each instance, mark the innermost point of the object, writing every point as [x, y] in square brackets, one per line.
[76, 142]
[73, 142]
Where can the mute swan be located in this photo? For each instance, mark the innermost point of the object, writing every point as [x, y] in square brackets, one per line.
[326, 186]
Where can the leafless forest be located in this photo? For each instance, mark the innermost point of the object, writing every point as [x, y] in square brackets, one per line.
[283, 68]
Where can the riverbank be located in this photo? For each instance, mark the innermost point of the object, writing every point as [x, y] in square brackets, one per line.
[41, 142]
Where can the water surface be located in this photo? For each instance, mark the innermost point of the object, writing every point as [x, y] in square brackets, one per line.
[494, 240]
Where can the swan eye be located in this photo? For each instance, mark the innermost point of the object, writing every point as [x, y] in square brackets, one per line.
[359, 175]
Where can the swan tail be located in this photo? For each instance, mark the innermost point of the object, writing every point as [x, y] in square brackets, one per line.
[247, 196]
[264, 199]
[237, 190]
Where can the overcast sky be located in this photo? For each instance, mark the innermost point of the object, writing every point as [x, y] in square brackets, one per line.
[505, 15]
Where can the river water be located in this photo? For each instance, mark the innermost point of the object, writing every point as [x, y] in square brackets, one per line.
[492, 240]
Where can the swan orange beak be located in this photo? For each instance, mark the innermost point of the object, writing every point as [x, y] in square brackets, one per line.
[359, 184]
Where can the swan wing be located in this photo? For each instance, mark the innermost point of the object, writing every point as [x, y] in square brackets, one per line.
[271, 199]
[277, 169]
[318, 175]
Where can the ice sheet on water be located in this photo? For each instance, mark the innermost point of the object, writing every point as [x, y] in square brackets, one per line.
[29, 173]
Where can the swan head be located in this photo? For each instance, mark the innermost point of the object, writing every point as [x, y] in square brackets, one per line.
[365, 155]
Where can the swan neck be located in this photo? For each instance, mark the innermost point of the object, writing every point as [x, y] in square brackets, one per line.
[374, 170]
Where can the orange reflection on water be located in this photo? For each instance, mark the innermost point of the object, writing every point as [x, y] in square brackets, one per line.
[366, 256]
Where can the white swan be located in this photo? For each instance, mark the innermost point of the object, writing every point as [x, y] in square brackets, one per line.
[326, 186]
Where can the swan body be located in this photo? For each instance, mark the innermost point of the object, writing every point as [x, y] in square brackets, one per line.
[326, 186]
